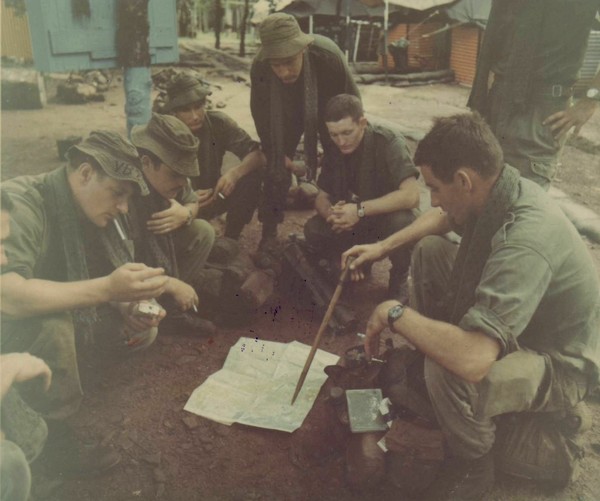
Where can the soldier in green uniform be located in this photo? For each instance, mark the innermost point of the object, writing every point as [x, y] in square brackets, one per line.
[293, 77]
[68, 269]
[508, 320]
[532, 52]
[368, 187]
[235, 191]
[163, 224]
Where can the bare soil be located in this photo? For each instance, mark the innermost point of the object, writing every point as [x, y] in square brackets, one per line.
[136, 403]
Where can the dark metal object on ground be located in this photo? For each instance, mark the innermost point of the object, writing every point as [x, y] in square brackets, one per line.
[302, 280]
[328, 313]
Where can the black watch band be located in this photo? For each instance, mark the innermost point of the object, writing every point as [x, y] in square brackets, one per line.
[394, 313]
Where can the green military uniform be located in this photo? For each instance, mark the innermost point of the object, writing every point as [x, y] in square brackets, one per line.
[377, 167]
[282, 113]
[220, 134]
[538, 296]
[183, 251]
[49, 241]
[534, 50]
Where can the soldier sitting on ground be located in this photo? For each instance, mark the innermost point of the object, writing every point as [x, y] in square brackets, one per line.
[235, 191]
[164, 227]
[368, 187]
[57, 284]
[508, 320]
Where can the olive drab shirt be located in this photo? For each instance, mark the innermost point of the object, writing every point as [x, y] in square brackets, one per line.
[219, 134]
[539, 288]
[34, 247]
[371, 174]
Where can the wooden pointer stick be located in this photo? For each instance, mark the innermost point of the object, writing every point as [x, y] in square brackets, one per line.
[326, 318]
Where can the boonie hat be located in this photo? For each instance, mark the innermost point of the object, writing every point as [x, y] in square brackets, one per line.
[171, 141]
[117, 156]
[281, 37]
[183, 91]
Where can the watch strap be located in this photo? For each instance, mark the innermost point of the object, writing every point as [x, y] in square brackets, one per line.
[394, 313]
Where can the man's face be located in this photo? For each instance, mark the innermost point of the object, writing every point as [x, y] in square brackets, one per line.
[450, 197]
[163, 179]
[287, 69]
[191, 115]
[347, 134]
[102, 198]
[4, 234]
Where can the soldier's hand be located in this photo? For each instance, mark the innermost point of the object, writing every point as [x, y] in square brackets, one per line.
[184, 295]
[205, 197]
[226, 184]
[376, 324]
[135, 322]
[135, 282]
[367, 253]
[169, 219]
[575, 116]
[20, 367]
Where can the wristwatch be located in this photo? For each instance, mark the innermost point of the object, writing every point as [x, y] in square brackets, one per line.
[360, 210]
[394, 313]
[593, 93]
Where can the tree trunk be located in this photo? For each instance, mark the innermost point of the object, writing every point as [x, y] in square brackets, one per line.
[219, 13]
[243, 28]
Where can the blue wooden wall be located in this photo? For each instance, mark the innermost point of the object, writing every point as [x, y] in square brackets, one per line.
[62, 43]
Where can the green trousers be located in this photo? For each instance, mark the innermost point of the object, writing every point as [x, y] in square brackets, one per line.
[521, 381]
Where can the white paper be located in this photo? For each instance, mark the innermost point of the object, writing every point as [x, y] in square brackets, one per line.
[257, 382]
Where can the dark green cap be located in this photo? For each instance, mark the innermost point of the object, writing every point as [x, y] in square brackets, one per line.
[170, 140]
[184, 90]
[117, 156]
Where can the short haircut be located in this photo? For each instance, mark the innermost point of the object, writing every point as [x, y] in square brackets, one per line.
[6, 204]
[155, 159]
[342, 106]
[463, 140]
[77, 157]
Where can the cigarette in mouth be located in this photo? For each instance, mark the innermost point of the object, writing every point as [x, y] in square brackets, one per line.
[119, 229]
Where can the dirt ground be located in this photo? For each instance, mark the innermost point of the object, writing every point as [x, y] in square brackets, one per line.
[136, 403]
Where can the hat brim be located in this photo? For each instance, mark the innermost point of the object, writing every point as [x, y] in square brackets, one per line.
[285, 49]
[105, 160]
[191, 96]
[185, 164]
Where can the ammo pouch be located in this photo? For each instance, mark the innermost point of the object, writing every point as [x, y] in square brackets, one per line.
[536, 446]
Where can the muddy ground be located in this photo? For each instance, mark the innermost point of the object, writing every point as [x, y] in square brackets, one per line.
[136, 403]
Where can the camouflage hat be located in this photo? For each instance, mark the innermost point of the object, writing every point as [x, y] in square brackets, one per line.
[183, 91]
[117, 156]
[281, 37]
[171, 141]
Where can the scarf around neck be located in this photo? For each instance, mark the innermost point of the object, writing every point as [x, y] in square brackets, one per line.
[475, 246]
[310, 118]
[62, 209]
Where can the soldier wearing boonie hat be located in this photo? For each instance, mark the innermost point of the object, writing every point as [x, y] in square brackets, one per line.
[293, 76]
[236, 191]
[117, 157]
[165, 222]
[68, 266]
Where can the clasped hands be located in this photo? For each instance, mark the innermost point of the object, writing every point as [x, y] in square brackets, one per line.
[343, 216]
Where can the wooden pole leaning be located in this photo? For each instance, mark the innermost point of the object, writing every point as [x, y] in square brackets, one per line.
[326, 318]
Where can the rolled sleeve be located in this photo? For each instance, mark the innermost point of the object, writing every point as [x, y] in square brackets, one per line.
[512, 285]
[399, 162]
